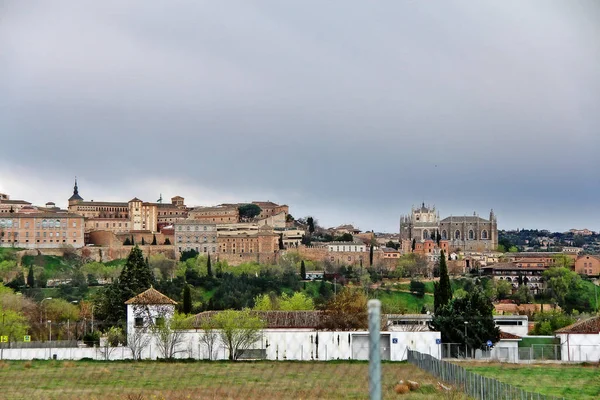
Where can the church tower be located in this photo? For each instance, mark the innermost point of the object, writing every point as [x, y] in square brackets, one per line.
[76, 198]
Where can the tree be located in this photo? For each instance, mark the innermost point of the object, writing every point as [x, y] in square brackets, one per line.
[143, 241]
[438, 237]
[414, 244]
[296, 302]
[30, 278]
[187, 254]
[132, 241]
[248, 211]
[127, 242]
[417, 288]
[371, 255]
[281, 245]
[169, 332]
[302, 270]
[311, 225]
[413, 264]
[523, 295]
[238, 330]
[563, 261]
[137, 341]
[154, 240]
[14, 324]
[167, 242]
[548, 322]
[442, 290]
[187, 299]
[164, 265]
[209, 272]
[114, 336]
[346, 311]
[468, 320]
[209, 337]
[503, 289]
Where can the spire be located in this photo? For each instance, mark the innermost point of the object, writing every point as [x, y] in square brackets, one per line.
[76, 196]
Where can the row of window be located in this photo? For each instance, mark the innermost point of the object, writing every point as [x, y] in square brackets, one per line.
[189, 228]
[37, 234]
[44, 224]
[189, 239]
[457, 235]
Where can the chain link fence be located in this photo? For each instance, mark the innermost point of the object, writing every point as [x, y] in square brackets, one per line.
[474, 385]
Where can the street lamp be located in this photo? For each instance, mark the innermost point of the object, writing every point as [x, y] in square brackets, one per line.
[50, 331]
[466, 350]
[42, 302]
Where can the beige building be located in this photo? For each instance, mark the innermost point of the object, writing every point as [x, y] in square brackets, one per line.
[195, 235]
[41, 230]
[588, 265]
[9, 206]
[263, 241]
[269, 209]
[222, 214]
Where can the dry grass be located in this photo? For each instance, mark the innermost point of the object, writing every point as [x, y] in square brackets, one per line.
[216, 380]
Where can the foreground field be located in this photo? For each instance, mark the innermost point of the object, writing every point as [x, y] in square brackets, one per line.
[205, 380]
[580, 382]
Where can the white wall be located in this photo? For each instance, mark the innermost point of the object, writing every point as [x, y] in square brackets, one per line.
[580, 347]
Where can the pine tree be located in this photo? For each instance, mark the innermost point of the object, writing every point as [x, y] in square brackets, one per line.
[136, 275]
[302, 270]
[442, 290]
[30, 278]
[153, 240]
[209, 267]
[187, 299]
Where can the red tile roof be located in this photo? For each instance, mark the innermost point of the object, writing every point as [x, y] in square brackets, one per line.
[509, 336]
[150, 297]
[587, 326]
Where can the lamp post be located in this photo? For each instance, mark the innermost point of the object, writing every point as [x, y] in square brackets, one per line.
[93, 317]
[49, 330]
[41, 305]
[466, 349]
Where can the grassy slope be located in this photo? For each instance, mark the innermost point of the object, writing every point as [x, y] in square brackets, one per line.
[568, 381]
[241, 380]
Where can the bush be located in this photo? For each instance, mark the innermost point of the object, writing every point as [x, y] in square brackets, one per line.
[92, 339]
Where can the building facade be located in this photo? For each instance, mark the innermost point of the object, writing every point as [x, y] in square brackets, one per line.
[588, 265]
[41, 230]
[471, 233]
[223, 214]
[195, 235]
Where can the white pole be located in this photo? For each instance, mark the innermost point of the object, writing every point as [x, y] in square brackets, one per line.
[374, 309]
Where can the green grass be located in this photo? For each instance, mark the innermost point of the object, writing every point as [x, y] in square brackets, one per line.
[52, 264]
[406, 286]
[116, 263]
[402, 302]
[580, 382]
[205, 380]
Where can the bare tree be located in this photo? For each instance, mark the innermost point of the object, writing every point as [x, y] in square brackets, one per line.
[137, 341]
[114, 337]
[209, 337]
[170, 334]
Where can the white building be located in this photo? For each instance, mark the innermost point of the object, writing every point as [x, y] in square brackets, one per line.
[580, 342]
[346, 246]
[195, 235]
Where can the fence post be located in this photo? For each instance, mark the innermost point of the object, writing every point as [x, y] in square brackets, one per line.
[374, 309]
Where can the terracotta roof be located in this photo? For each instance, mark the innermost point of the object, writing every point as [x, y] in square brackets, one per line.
[589, 326]
[135, 199]
[276, 319]
[471, 219]
[15, 202]
[150, 297]
[509, 336]
[42, 215]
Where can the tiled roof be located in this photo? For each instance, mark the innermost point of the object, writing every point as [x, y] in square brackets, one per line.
[150, 297]
[42, 215]
[103, 203]
[276, 319]
[587, 326]
[14, 202]
[471, 219]
[509, 336]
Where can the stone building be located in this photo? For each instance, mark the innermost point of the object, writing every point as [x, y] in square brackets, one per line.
[195, 235]
[466, 233]
[269, 209]
[588, 265]
[10, 206]
[222, 214]
[124, 217]
[41, 230]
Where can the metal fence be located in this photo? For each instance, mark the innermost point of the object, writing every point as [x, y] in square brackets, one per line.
[474, 385]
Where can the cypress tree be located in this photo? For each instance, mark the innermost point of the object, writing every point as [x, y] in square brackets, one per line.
[281, 245]
[153, 240]
[132, 241]
[30, 278]
[136, 275]
[127, 242]
[414, 244]
[371, 255]
[443, 290]
[143, 241]
[187, 299]
[167, 242]
[302, 270]
[209, 267]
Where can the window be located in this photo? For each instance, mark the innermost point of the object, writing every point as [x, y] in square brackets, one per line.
[444, 235]
[484, 235]
[471, 235]
[457, 234]
[74, 224]
[139, 322]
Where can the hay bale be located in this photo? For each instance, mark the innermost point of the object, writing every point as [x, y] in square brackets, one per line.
[401, 389]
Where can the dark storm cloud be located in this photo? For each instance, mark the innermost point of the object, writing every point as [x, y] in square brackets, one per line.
[346, 110]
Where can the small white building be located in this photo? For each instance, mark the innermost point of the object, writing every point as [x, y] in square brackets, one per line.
[346, 246]
[580, 342]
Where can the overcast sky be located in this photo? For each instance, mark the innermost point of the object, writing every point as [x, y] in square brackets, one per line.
[351, 111]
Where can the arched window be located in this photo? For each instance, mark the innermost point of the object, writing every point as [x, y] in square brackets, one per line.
[425, 234]
[471, 235]
[457, 234]
[444, 235]
[484, 234]
[44, 223]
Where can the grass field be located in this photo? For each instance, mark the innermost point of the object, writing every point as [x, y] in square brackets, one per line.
[395, 302]
[206, 380]
[581, 382]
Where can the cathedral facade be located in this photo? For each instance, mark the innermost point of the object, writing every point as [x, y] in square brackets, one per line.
[471, 233]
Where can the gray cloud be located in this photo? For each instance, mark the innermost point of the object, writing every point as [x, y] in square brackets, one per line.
[345, 110]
